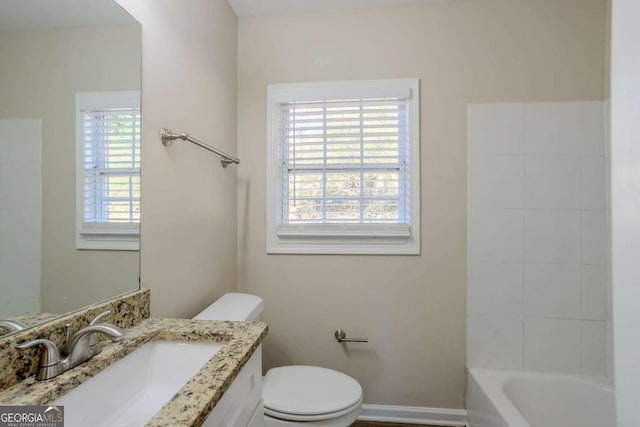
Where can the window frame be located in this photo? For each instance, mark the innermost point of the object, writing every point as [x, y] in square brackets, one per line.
[127, 236]
[383, 239]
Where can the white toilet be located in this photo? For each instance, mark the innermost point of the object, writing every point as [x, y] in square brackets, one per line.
[294, 395]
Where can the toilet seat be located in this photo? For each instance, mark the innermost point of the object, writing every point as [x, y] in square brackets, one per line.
[309, 418]
[309, 393]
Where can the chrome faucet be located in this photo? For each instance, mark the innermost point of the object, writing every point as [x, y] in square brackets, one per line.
[80, 347]
[12, 325]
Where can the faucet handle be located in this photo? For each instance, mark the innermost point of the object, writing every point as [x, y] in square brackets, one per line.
[94, 341]
[85, 342]
[49, 357]
[100, 317]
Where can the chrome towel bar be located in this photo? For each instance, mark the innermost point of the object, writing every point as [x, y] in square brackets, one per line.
[341, 336]
[167, 137]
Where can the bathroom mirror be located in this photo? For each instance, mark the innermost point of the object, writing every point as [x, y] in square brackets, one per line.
[54, 56]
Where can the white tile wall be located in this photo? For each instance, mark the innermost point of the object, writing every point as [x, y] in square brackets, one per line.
[20, 231]
[594, 348]
[10, 307]
[496, 182]
[594, 240]
[495, 235]
[494, 342]
[593, 186]
[552, 345]
[494, 288]
[21, 140]
[552, 182]
[537, 291]
[594, 292]
[20, 185]
[593, 128]
[553, 128]
[552, 236]
[22, 273]
[608, 215]
[20, 215]
[552, 290]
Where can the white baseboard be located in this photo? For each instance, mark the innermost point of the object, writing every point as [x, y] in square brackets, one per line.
[414, 415]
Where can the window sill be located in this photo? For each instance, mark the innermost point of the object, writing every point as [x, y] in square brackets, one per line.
[108, 242]
[365, 231]
[344, 245]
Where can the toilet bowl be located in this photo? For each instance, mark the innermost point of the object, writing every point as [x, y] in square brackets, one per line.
[294, 395]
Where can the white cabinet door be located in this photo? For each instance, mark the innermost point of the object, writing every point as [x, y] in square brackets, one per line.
[239, 402]
[257, 419]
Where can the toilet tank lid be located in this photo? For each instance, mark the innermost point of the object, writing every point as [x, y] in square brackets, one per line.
[233, 306]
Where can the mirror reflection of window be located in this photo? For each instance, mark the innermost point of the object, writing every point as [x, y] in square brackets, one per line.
[108, 170]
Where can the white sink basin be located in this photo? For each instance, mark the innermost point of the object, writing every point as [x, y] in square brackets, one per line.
[133, 389]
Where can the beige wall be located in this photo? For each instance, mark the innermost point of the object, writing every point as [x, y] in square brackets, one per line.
[188, 200]
[412, 308]
[41, 72]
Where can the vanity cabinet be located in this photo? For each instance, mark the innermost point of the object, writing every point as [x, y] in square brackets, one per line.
[241, 403]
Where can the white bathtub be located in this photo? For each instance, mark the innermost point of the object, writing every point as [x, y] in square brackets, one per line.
[527, 399]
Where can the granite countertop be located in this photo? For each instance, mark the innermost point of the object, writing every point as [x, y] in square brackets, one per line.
[195, 400]
[32, 319]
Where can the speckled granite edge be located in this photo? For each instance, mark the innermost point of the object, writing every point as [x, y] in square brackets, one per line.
[197, 398]
[15, 365]
[191, 406]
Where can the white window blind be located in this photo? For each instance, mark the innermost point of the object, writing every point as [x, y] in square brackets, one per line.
[109, 163]
[344, 160]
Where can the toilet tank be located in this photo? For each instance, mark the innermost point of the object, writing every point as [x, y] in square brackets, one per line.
[233, 306]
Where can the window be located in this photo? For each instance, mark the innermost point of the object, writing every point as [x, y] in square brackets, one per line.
[108, 170]
[343, 167]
